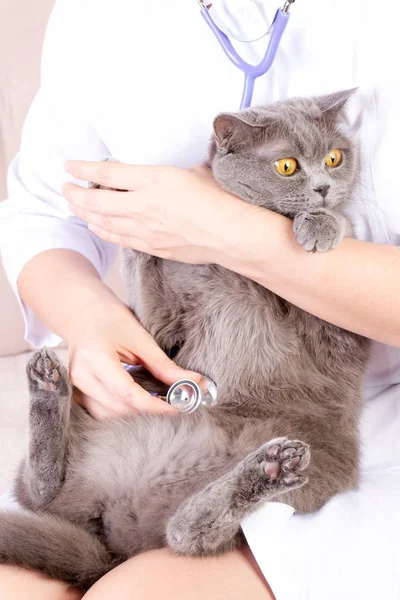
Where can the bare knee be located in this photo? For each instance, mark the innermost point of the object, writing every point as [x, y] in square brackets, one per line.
[162, 574]
[20, 584]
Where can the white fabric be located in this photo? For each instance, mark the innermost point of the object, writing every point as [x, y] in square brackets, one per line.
[142, 81]
[8, 502]
[242, 19]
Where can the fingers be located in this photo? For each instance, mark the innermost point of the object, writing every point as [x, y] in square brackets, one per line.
[121, 386]
[163, 368]
[110, 174]
[121, 240]
[97, 400]
[107, 391]
[109, 227]
[119, 226]
[102, 202]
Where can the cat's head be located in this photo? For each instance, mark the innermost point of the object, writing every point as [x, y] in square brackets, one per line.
[289, 156]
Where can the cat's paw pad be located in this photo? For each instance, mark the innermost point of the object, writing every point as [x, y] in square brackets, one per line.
[318, 231]
[45, 372]
[282, 461]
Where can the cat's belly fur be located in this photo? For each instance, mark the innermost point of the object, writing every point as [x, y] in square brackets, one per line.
[279, 372]
[126, 478]
[235, 331]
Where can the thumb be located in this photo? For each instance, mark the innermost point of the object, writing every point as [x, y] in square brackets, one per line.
[163, 368]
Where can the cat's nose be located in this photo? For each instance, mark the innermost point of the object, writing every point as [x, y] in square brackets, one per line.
[323, 190]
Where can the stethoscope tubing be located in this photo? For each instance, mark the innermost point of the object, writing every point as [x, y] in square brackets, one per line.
[251, 72]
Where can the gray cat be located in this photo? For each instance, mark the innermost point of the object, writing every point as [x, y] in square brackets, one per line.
[102, 492]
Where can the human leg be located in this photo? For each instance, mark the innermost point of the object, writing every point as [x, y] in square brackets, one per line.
[163, 574]
[21, 584]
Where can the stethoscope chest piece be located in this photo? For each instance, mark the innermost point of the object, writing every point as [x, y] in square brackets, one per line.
[187, 396]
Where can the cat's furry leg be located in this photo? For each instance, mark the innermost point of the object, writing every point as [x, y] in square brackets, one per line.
[209, 522]
[50, 396]
[55, 547]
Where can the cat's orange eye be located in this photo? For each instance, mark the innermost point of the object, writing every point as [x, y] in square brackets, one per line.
[286, 166]
[334, 158]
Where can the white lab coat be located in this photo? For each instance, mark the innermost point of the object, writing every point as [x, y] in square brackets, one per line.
[142, 81]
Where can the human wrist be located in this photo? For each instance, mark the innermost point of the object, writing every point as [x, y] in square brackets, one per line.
[257, 243]
[64, 289]
[96, 310]
[228, 229]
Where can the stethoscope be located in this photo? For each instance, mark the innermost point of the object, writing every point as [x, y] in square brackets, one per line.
[251, 72]
[186, 395]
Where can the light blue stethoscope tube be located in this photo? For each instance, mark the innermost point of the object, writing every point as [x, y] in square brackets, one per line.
[251, 72]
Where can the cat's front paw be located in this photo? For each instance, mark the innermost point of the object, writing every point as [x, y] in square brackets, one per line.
[319, 231]
[45, 372]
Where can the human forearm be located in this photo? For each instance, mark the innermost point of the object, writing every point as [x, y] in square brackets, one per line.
[62, 287]
[356, 286]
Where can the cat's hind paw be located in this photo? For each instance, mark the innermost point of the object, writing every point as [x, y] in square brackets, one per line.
[209, 522]
[281, 461]
[45, 372]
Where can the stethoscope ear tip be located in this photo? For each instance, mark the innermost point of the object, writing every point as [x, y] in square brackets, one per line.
[287, 5]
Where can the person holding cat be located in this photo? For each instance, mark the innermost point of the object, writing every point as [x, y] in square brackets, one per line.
[89, 107]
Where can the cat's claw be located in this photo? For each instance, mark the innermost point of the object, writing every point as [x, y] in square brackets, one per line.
[45, 372]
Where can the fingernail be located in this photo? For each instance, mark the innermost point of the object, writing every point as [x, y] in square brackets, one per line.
[67, 167]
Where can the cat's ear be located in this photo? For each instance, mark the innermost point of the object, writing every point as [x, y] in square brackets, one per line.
[334, 103]
[235, 130]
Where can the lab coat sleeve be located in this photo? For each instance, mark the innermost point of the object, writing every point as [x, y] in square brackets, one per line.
[35, 217]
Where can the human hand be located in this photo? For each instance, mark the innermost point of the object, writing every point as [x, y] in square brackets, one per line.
[169, 212]
[106, 390]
